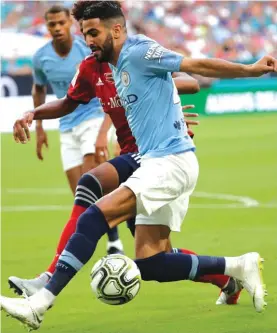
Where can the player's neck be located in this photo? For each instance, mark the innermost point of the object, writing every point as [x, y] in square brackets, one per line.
[63, 48]
[117, 49]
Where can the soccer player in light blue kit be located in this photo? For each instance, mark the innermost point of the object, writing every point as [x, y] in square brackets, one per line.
[56, 63]
[159, 190]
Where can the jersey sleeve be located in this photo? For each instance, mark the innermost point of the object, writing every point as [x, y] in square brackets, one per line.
[39, 77]
[82, 87]
[152, 57]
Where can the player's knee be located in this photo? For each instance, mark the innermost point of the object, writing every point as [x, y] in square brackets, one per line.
[152, 268]
[92, 223]
[88, 190]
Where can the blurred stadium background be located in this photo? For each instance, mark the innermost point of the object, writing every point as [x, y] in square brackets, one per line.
[233, 210]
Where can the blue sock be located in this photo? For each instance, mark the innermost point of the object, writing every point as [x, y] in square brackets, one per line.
[168, 267]
[91, 226]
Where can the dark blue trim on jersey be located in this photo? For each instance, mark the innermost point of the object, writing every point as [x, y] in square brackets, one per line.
[126, 165]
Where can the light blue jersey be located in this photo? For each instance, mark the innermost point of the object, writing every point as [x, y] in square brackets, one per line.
[147, 92]
[49, 67]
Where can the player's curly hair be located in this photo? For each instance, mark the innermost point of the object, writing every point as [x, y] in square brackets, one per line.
[78, 9]
[96, 9]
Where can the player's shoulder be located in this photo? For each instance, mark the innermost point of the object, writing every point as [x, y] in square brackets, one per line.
[137, 46]
[139, 40]
[42, 51]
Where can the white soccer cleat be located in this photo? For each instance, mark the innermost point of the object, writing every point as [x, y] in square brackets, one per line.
[250, 275]
[22, 310]
[29, 286]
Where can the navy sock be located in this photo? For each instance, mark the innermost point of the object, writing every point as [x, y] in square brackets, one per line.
[113, 234]
[168, 267]
[210, 265]
[88, 191]
[91, 226]
[131, 224]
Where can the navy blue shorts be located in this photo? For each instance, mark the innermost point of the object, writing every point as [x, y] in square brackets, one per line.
[126, 165]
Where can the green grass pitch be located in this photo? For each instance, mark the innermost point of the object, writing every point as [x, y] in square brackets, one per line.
[238, 159]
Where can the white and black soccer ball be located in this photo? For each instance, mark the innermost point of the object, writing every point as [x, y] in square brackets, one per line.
[115, 279]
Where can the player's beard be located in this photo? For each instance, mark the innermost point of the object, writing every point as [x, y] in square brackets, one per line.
[106, 50]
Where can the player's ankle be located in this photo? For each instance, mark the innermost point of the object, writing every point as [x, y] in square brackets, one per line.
[42, 300]
[117, 244]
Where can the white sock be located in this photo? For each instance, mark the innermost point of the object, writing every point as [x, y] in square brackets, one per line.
[232, 266]
[42, 300]
[117, 243]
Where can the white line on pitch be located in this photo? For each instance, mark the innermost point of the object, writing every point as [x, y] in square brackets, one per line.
[51, 208]
[246, 201]
[47, 191]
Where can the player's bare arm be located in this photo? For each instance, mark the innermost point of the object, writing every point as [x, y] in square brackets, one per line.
[39, 96]
[101, 145]
[185, 84]
[225, 69]
[51, 110]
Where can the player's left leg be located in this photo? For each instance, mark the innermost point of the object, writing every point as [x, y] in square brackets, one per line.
[87, 134]
[230, 288]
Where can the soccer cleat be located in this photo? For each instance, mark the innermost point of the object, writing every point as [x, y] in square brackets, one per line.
[115, 247]
[230, 294]
[29, 286]
[114, 250]
[21, 310]
[249, 273]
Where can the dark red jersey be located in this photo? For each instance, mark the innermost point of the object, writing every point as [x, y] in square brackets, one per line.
[91, 81]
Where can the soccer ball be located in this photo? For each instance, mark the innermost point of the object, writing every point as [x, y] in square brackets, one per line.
[115, 279]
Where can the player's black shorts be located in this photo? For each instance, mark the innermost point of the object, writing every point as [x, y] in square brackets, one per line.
[126, 165]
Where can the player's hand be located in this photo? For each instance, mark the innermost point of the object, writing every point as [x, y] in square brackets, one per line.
[21, 132]
[101, 148]
[190, 114]
[266, 64]
[41, 140]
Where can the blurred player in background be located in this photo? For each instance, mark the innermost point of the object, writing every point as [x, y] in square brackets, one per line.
[83, 144]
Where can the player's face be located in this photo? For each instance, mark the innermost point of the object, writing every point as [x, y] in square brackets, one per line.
[59, 25]
[99, 39]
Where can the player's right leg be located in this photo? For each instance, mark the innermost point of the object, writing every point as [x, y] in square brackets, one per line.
[92, 186]
[107, 213]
